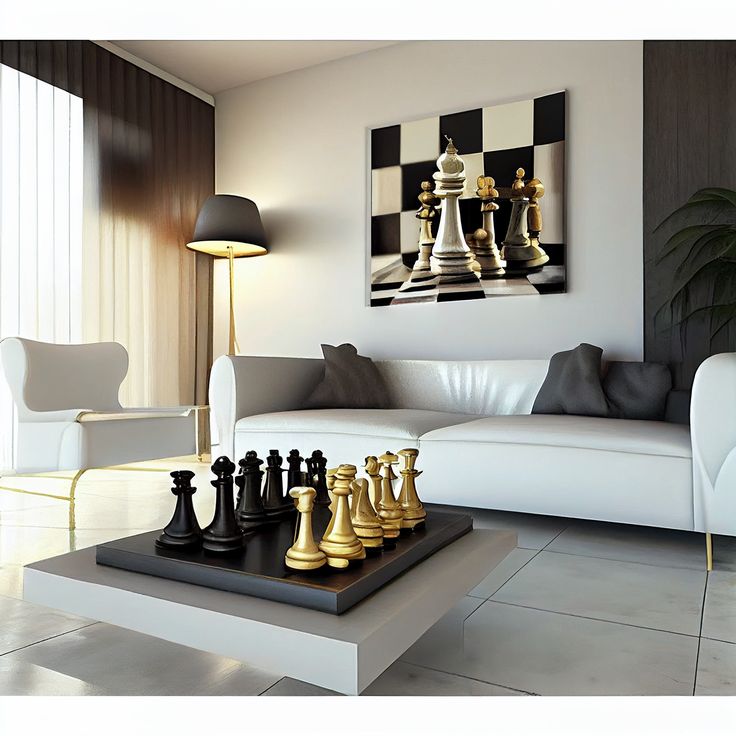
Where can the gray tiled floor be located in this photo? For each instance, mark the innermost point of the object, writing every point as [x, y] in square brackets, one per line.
[578, 608]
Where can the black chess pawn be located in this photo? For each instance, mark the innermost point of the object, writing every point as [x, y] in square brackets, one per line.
[317, 466]
[223, 535]
[183, 531]
[294, 474]
[274, 501]
[250, 513]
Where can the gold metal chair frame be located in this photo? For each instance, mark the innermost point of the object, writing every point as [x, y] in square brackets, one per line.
[201, 414]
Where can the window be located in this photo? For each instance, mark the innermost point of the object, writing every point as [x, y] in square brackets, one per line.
[41, 205]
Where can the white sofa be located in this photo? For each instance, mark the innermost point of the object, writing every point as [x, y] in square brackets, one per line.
[480, 446]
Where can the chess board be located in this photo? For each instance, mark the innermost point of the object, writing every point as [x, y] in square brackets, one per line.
[493, 141]
[259, 569]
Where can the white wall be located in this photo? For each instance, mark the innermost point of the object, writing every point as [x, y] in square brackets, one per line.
[297, 145]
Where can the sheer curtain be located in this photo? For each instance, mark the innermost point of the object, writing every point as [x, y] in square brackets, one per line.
[41, 154]
[140, 164]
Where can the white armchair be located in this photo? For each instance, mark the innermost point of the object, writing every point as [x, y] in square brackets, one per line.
[69, 415]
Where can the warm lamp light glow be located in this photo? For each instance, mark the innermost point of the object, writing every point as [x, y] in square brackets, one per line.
[219, 248]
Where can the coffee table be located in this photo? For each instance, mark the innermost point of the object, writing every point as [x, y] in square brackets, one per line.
[343, 653]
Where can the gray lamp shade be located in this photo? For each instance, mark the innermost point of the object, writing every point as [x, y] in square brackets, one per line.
[227, 221]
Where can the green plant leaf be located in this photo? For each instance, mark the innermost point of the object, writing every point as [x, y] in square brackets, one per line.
[705, 209]
[682, 237]
[708, 248]
[713, 194]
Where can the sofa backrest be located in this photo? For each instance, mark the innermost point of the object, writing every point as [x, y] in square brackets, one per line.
[490, 387]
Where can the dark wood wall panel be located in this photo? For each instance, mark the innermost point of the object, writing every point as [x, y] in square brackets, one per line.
[689, 143]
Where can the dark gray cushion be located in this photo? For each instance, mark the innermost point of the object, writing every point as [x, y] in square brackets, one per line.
[637, 390]
[350, 381]
[573, 384]
[677, 410]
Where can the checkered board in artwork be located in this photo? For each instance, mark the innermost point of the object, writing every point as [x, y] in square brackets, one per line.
[492, 141]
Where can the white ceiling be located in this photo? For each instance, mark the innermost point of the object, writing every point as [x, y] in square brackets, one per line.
[214, 66]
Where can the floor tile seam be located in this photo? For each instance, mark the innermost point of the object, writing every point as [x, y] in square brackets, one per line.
[613, 559]
[722, 641]
[700, 631]
[507, 581]
[49, 638]
[592, 618]
[281, 679]
[466, 677]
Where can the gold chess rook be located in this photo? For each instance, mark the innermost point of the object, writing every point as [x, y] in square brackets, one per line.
[414, 513]
[340, 542]
[304, 554]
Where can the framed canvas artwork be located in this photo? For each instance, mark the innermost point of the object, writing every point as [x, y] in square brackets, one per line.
[521, 147]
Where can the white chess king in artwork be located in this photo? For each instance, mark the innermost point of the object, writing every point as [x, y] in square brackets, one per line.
[469, 205]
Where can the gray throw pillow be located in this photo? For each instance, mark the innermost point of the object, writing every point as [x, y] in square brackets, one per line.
[573, 384]
[350, 381]
[637, 390]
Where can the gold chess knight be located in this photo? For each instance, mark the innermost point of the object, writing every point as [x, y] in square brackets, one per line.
[521, 249]
[389, 509]
[373, 471]
[304, 554]
[340, 542]
[414, 513]
[366, 523]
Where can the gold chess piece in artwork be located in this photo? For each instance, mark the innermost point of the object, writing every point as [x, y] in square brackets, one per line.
[389, 509]
[373, 471]
[304, 554]
[414, 513]
[340, 542]
[365, 522]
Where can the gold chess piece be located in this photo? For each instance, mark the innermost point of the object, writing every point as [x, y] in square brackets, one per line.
[365, 522]
[482, 242]
[414, 513]
[389, 509]
[330, 480]
[373, 471]
[304, 554]
[340, 542]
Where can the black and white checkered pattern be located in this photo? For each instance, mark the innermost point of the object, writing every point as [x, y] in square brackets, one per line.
[492, 141]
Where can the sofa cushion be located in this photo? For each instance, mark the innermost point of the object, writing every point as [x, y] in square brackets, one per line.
[407, 424]
[349, 381]
[637, 390]
[592, 433]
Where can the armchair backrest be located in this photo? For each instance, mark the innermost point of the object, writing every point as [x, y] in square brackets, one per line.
[49, 377]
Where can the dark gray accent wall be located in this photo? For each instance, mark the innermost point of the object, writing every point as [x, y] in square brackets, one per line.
[689, 143]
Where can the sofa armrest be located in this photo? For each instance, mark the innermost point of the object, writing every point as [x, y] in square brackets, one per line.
[241, 386]
[713, 432]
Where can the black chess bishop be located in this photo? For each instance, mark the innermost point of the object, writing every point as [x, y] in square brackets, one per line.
[183, 531]
[223, 535]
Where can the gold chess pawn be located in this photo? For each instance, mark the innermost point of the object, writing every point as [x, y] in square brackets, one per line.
[365, 522]
[373, 471]
[414, 513]
[389, 509]
[304, 554]
[340, 542]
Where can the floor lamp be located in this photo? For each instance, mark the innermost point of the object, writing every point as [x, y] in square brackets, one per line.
[229, 227]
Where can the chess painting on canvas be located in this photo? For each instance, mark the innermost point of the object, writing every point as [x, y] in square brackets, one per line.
[469, 204]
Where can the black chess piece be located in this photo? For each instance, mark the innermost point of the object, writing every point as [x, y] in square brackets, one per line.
[223, 535]
[294, 475]
[183, 531]
[317, 466]
[250, 513]
[274, 501]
